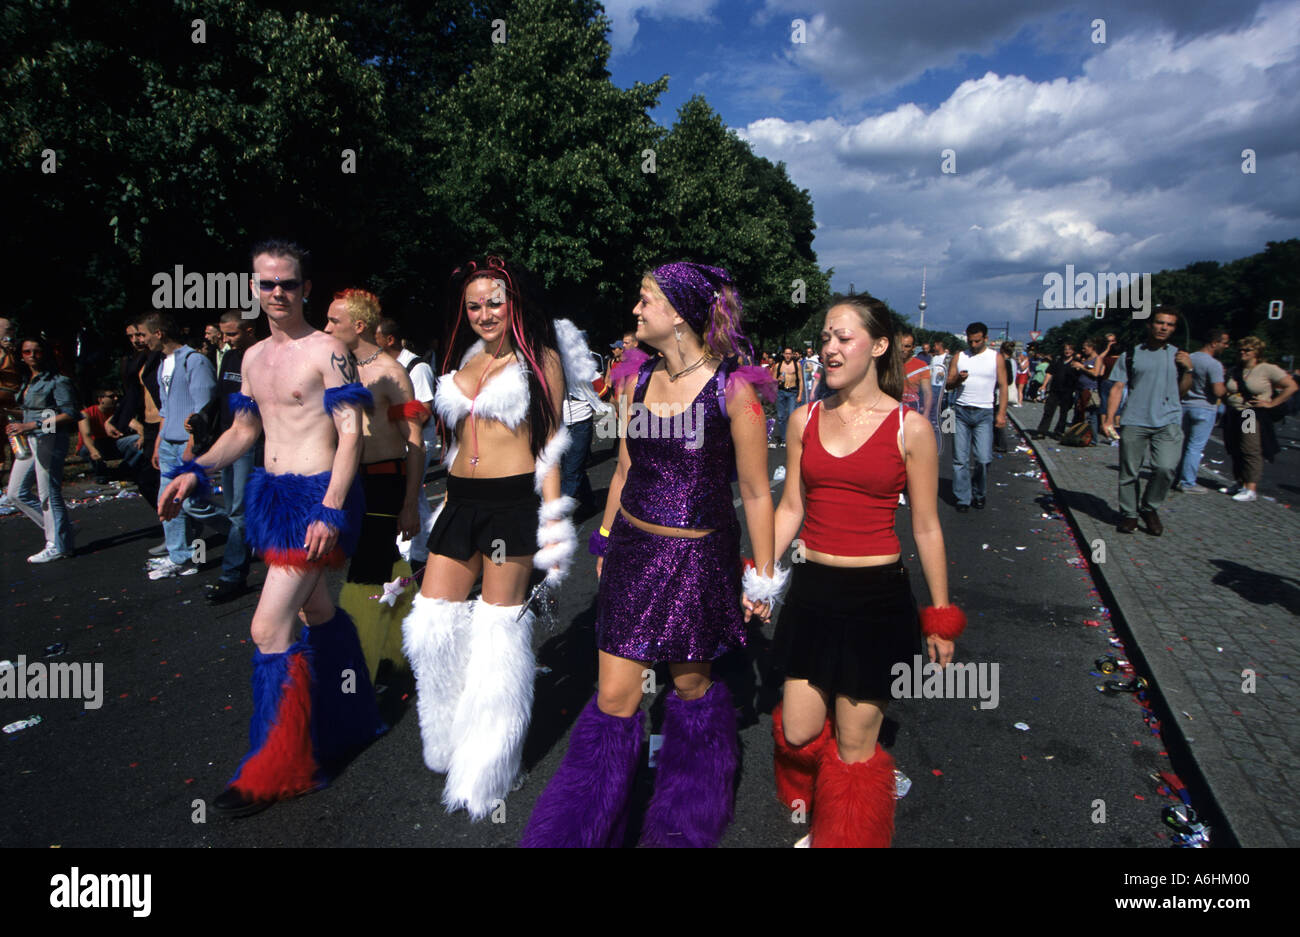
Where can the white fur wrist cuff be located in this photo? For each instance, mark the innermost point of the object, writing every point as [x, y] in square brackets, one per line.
[557, 541]
[767, 589]
[556, 509]
[550, 456]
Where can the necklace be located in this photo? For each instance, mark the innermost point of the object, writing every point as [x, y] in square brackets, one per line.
[684, 371]
[866, 412]
[378, 352]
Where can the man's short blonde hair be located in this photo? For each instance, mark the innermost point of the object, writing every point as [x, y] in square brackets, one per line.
[362, 306]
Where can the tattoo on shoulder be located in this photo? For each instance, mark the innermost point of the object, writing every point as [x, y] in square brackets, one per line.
[346, 365]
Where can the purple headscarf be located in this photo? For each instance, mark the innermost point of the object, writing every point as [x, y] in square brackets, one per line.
[692, 289]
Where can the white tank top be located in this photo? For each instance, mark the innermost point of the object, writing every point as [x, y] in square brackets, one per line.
[977, 390]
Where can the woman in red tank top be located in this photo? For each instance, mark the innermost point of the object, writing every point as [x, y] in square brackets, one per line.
[850, 615]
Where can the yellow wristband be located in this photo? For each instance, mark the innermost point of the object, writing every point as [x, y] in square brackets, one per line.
[604, 532]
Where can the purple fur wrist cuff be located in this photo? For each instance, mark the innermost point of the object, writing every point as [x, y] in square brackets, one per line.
[597, 543]
[203, 488]
[332, 517]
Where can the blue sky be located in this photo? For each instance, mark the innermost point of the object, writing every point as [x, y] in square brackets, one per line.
[1116, 155]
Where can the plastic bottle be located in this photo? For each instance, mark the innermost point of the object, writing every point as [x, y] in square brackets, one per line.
[22, 724]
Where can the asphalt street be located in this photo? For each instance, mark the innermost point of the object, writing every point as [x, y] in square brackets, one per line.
[1040, 769]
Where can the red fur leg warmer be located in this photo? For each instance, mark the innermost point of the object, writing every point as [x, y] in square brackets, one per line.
[855, 803]
[795, 766]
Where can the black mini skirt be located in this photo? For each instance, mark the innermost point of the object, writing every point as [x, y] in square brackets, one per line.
[843, 629]
[491, 516]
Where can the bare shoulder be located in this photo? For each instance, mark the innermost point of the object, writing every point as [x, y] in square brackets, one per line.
[253, 353]
[333, 358]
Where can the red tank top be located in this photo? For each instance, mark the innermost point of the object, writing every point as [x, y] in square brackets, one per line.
[849, 502]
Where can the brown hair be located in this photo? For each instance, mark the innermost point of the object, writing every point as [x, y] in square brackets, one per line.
[878, 321]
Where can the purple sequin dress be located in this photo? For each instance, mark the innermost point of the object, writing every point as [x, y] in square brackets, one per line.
[675, 598]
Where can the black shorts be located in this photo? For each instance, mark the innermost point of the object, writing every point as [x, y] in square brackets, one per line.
[843, 629]
[376, 551]
[492, 516]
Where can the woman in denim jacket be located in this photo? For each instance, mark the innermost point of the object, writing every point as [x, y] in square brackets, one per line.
[49, 417]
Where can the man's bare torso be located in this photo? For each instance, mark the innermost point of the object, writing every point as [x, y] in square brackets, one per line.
[287, 379]
[384, 438]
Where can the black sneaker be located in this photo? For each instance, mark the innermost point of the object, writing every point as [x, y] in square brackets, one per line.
[231, 803]
[224, 590]
[978, 504]
[963, 508]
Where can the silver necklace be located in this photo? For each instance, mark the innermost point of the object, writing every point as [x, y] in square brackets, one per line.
[684, 371]
[378, 352]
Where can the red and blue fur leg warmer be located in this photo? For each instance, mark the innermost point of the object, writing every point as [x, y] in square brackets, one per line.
[313, 710]
[280, 762]
[585, 804]
[694, 793]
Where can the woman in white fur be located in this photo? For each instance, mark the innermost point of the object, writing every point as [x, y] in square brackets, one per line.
[503, 515]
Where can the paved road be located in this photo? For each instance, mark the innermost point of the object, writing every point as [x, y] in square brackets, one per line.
[1216, 596]
[174, 719]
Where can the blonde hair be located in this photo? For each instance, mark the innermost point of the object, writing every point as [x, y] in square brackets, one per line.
[1253, 343]
[362, 306]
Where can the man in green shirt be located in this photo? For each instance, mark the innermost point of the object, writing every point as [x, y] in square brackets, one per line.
[1157, 375]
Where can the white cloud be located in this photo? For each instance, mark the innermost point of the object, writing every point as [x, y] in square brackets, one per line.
[625, 16]
[865, 49]
[1133, 165]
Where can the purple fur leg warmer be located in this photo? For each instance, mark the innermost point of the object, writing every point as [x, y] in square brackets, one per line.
[586, 801]
[694, 794]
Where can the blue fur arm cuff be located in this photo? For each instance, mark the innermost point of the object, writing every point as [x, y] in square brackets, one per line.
[203, 488]
[332, 517]
[240, 403]
[336, 397]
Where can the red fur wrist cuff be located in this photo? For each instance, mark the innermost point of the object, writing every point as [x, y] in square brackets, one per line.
[946, 623]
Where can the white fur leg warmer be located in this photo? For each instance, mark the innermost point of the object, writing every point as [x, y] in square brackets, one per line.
[556, 538]
[494, 711]
[435, 638]
[767, 589]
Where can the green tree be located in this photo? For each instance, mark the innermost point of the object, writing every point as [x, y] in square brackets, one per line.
[718, 202]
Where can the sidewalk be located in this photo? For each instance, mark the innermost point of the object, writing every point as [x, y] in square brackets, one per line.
[1217, 594]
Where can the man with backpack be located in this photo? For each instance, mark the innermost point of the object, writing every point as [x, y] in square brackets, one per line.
[187, 382]
[1157, 375]
[388, 336]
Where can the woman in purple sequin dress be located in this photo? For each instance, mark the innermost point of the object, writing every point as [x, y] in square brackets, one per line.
[671, 583]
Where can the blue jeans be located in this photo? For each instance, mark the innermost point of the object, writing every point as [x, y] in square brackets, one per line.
[573, 466]
[43, 470]
[786, 403]
[181, 530]
[130, 454]
[235, 561]
[971, 453]
[1198, 423]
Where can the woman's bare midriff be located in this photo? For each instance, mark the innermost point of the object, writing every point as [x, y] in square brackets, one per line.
[502, 452]
[830, 559]
[662, 531]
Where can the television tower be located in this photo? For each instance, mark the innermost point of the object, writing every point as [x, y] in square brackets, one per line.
[921, 305]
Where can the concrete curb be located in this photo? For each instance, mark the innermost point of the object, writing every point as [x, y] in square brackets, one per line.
[1240, 805]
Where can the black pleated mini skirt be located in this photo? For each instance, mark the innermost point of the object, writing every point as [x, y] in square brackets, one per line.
[489, 516]
[843, 629]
